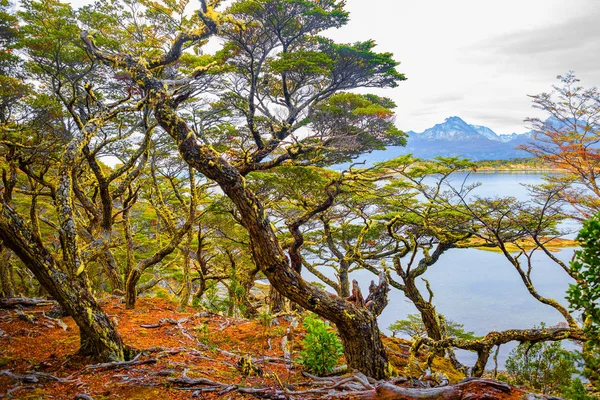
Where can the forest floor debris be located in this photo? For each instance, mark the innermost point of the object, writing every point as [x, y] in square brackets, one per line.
[182, 355]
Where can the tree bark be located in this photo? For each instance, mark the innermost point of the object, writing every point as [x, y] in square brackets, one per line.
[98, 335]
[363, 347]
[130, 288]
[247, 283]
[276, 301]
[426, 309]
[202, 260]
[113, 271]
[344, 279]
[186, 288]
[468, 389]
[6, 276]
[344, 266]
[128, 234]
[18, 302]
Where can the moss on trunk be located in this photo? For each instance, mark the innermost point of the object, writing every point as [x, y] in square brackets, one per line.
[98, 334]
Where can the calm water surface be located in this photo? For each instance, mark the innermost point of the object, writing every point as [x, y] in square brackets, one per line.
[480, 288]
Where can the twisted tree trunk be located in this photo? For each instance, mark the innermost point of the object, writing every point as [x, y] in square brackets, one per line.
[98, 336]
[276, 301]
[357, 324]
[135, 274]
[484, 345]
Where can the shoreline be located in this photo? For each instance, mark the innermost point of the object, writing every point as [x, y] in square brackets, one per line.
[519, 170]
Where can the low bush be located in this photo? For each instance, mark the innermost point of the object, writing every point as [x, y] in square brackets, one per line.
[321, 346]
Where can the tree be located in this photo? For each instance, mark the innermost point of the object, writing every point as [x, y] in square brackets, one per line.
[585, 294]
[569, 139]
[12, 91]
[175, 234]
[518, 230]
[50, 148]
[417, 220]
[278, 62]
[546, 367]
[413, 326]
[324, 214]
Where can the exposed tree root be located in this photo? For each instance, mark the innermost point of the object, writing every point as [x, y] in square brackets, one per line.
[121, 364]
[163, 322]
[83, 396]
[356, 386]
[179, 324]
[14, 302]
[465, 390]
[35, 377]
[44, 320]
[348, 384]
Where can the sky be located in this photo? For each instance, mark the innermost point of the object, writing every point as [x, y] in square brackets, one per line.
[476, 59]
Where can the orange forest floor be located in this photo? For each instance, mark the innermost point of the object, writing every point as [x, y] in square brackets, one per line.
[38, 357]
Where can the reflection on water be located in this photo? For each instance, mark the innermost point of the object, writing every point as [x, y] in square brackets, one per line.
[481, 289]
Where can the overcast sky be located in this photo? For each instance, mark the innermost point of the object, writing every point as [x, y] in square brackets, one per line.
[478, 59]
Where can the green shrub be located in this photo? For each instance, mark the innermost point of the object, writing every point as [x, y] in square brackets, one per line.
[321, 346]
[584, 296]
[545, 367]
[576, 391]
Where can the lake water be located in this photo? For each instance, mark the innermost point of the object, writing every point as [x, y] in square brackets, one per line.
[480, 288]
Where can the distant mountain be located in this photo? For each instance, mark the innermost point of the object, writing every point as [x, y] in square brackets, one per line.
[507, 137]
[485, 131]
[455, 137]
[453, 129]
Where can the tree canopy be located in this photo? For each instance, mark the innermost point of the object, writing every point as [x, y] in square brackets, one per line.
[133, 160]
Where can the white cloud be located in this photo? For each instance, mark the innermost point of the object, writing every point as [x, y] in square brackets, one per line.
[478, 59]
